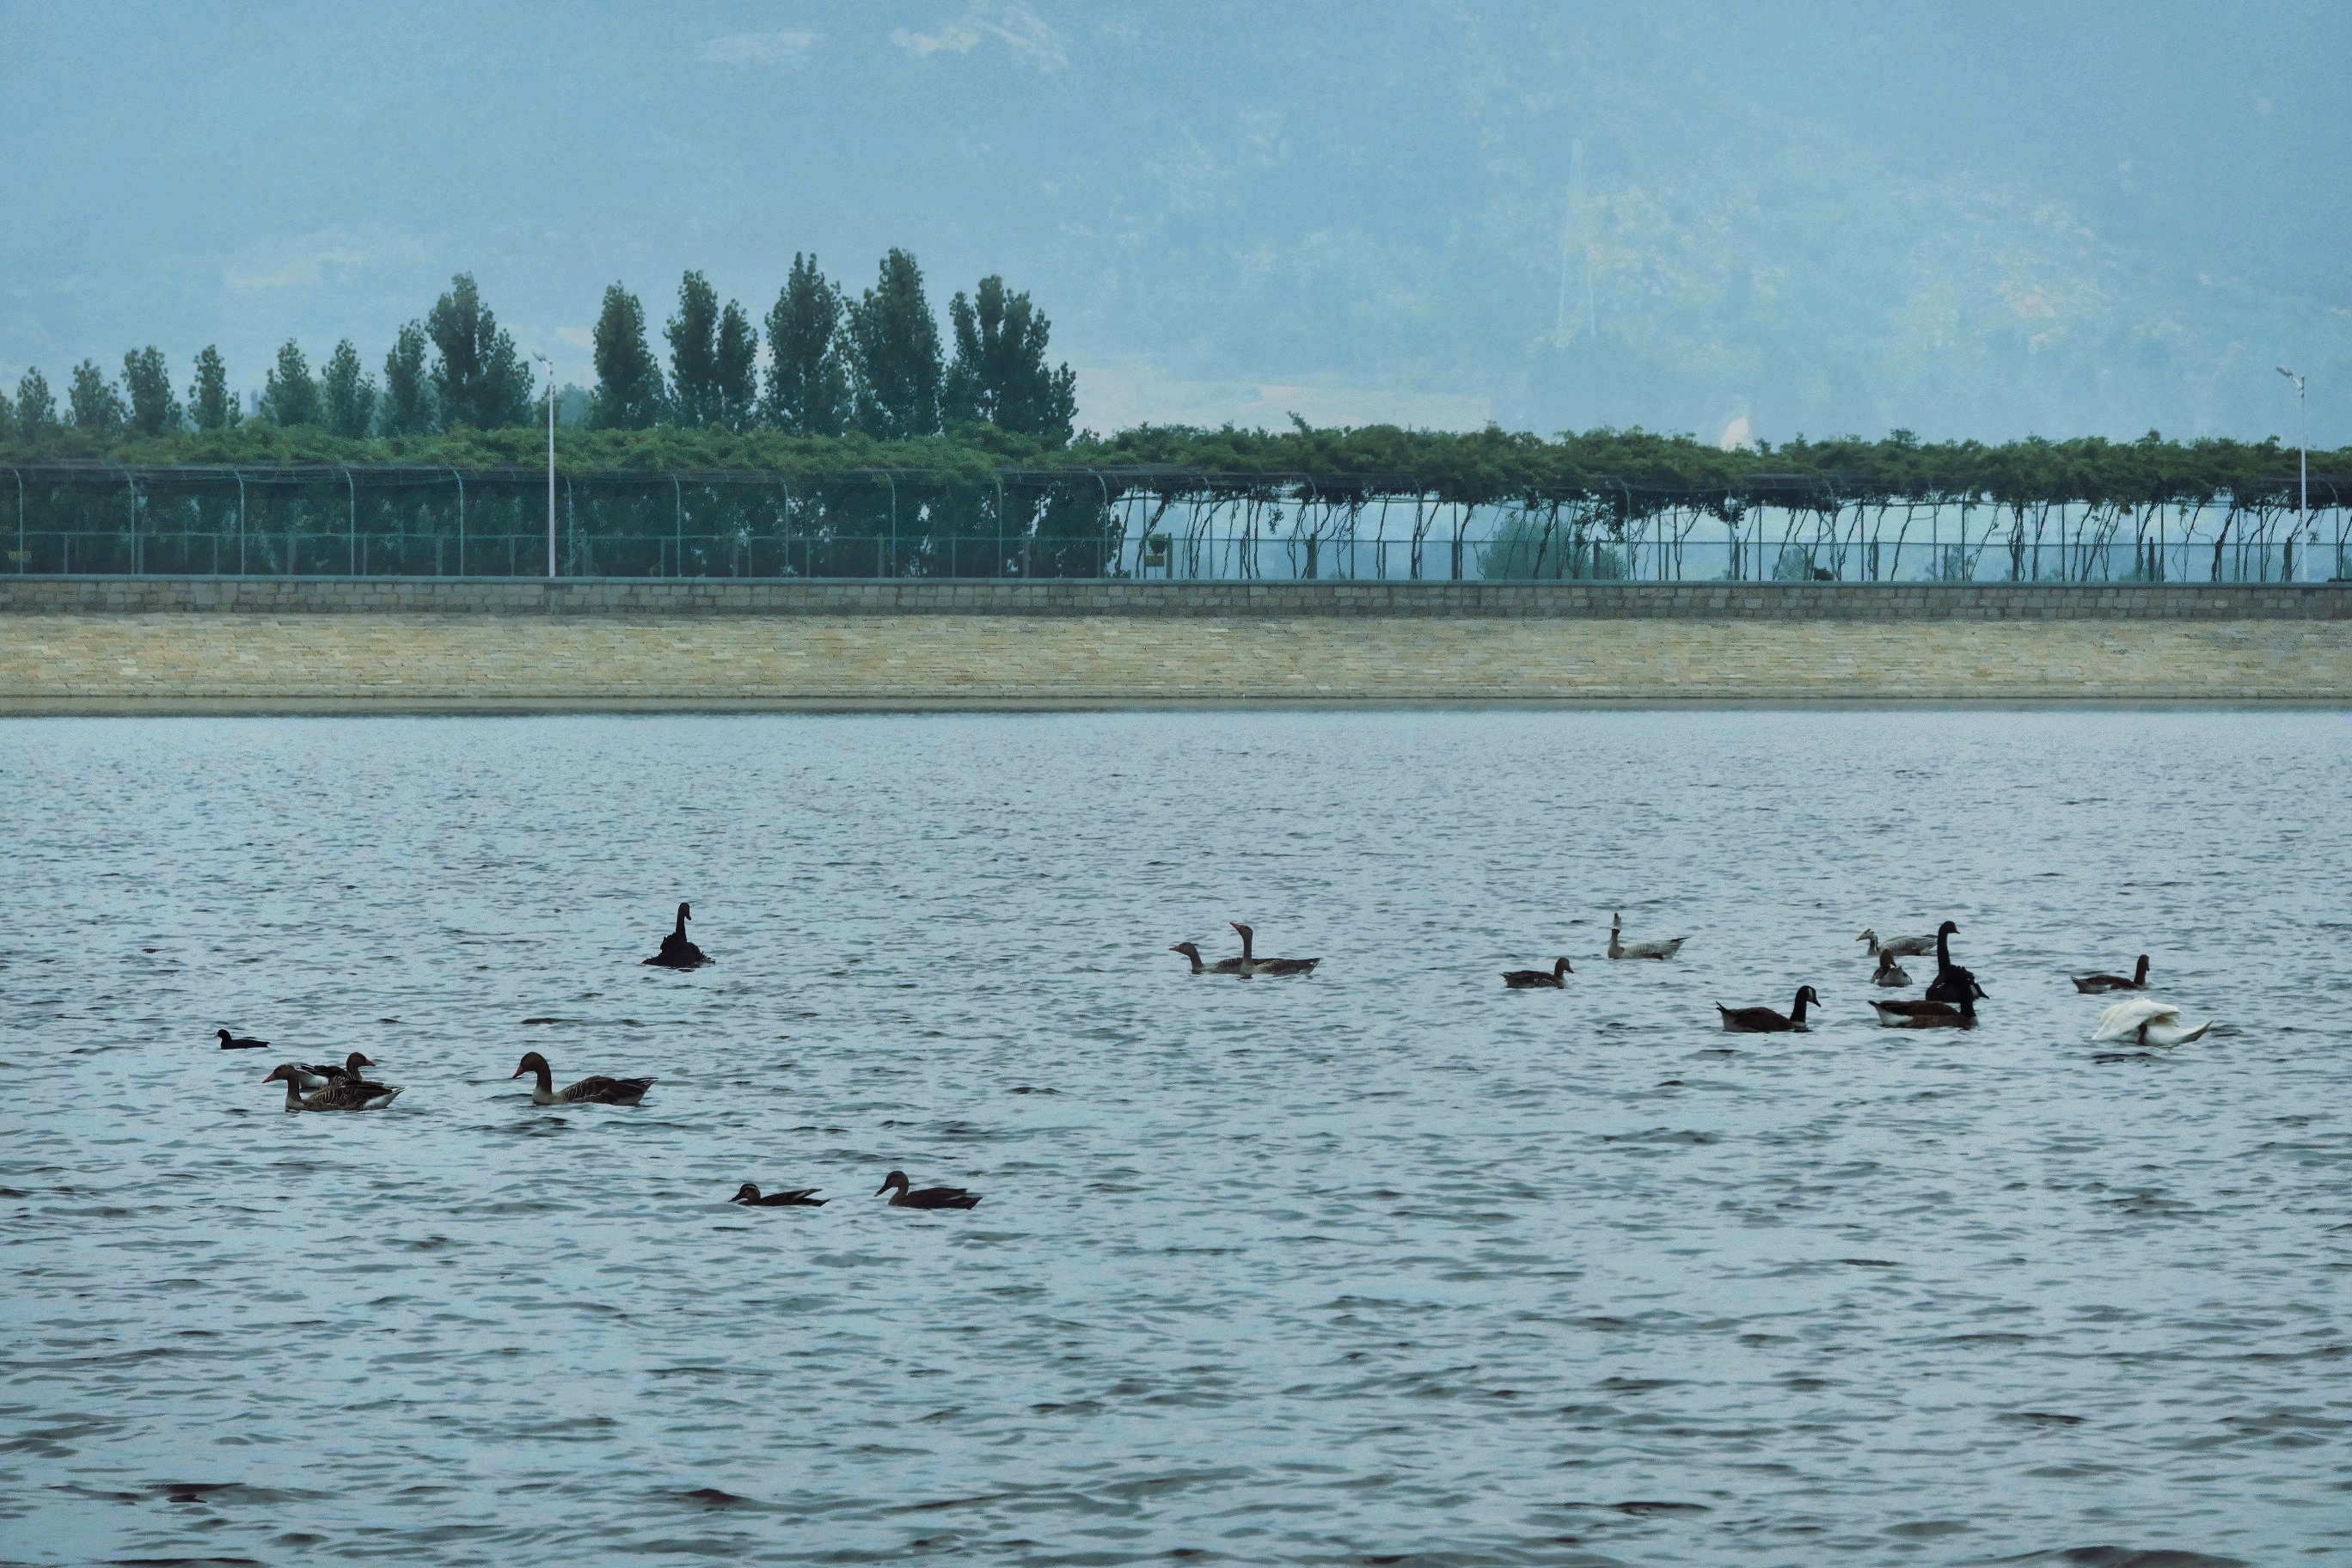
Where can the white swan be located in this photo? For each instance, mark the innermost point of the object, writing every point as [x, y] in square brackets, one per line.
[1901, 947]
[2147, 1022]
[1653, 949]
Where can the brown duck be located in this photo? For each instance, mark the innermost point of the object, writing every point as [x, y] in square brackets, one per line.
[902, 1196]
[751, 1196]
[353, 1093]
[1555, 978]
[587, 1091]
[1223, 966]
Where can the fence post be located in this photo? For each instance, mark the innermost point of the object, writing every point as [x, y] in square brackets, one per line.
[996, 563]
[20, 519]
[892, 481]
[461, 528]
[240, 520]
[678, 496]
[354, 492]
[134, 521]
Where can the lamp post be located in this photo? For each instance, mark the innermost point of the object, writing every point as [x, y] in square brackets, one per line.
[543, 360]
[2302, 452]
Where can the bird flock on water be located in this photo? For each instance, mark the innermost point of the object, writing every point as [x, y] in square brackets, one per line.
[1949, 1003]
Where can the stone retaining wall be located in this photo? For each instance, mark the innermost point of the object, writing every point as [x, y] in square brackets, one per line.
[398, 661]
[1804, 602]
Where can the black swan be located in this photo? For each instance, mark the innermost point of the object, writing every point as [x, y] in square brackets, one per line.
[1764, 1021]
[2097, 982]
[1252, 965]
[587, 1091]
[677, 953]
[1952, 984]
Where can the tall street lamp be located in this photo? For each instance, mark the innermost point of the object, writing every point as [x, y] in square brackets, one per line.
[2303, 450]
[543, 360]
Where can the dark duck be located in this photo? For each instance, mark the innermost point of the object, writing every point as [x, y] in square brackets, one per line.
[903, 1196]
[750, 1195]
[1555, 978]
[677, 953]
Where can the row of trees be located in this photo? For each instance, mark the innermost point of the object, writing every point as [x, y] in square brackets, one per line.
[873, 365]
[456, 367]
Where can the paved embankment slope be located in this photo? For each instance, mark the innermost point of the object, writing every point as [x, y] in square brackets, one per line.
[96, 646]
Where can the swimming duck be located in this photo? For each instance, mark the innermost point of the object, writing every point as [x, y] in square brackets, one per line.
[587, 1091]
[342, 1094]
[1952, 984]
[1899, 1014]
[316, 1075]
[1890, 973]
[1555, 977]
[2094, 983]
[1764, 1021]
[1618, 949]
[1223, 966]
[1252, 965]
[1945, 1016]
[1901, 947]
[240, 1042]
[677, 953]
[2150, 1022]
[924, 1198]
[799, 1198]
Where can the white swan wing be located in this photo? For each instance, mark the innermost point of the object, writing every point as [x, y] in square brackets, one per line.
[2122, 1021]
[2170, 1032]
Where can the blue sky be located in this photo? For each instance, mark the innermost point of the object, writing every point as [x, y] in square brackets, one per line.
[1971, 219]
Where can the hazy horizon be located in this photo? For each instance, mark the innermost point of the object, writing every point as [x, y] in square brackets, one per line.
[1988, 221]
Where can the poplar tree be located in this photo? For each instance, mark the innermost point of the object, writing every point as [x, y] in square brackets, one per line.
[210, 405]
[95, 403]
[998, 376]
[407, 402]
[346, 393]
[478, 379]
[37, 409]
[734, 367]
[808, 386]
[893, 354]
[153, 409]
[629, 393]
[290, 396]
[693, 335]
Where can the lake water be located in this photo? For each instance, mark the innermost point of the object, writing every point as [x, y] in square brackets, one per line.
[1380, 1264]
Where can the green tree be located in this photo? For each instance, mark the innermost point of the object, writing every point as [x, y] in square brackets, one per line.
[893, 354]
[7, 418]
[95, 403]
[407, 402]
[37, 409]
[211, 405]
[153, 409]
[346, 393]
[808, 387]
[629, 392]
[478, 379]
[736, 369]
[290, 396]
[1000, 376]
[693, 335]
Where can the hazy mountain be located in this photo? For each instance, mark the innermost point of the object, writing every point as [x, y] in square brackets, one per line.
[1965, 220]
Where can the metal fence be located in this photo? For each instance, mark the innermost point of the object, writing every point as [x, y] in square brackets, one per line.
[393, 521]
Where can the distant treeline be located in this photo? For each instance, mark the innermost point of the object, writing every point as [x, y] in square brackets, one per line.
[873, 365]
